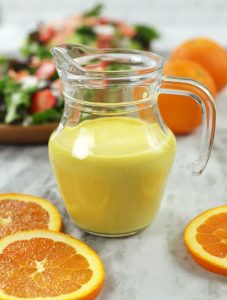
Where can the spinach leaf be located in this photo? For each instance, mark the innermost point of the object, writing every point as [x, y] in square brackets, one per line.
[117, 67]
[49, 115]
[8, 85]
[4, 64]
[86, 30]
[85, 35]
[16, 99]
[95, 11]
[145, 34]
[34, 48]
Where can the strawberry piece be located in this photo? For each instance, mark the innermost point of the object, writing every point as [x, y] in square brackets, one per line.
[104, 41]
[127, 30]
[103, 21]
[43, 100]
[46, 70]
[46, 33]
[97, 67]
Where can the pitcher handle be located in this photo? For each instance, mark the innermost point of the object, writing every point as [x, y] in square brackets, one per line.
[208, 108]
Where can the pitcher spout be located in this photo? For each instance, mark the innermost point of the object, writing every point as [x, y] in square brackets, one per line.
[66, 56]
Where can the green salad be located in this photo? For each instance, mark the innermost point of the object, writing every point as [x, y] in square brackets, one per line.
[30, 90]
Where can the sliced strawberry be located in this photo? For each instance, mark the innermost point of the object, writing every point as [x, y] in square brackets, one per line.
[103, 21]
[43, 100]
[46, 70]
[104, 41]
[126, 30]
[46, 33]
[97, 67]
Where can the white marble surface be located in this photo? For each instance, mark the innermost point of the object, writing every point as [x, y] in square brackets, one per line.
[153, 265]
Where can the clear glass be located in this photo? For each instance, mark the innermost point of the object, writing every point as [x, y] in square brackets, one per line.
[112, 153]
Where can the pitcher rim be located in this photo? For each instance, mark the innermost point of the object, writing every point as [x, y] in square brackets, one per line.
[96, 74]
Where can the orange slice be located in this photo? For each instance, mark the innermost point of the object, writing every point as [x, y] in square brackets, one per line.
[19, 212]
[206, 239]
[43, 264]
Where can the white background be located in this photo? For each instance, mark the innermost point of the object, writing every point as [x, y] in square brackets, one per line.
[176, 20]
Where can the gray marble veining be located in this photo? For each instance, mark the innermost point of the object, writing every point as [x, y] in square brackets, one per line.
[154, 264]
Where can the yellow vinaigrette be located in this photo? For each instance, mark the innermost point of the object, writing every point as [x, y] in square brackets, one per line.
[111, 172]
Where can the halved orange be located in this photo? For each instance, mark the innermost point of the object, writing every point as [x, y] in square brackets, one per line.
[206, 239]
[43, 264]
[19, 212]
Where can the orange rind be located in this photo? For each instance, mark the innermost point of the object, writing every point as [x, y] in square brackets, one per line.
[43, 264]
[206, 239]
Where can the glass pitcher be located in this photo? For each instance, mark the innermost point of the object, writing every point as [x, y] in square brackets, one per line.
[112, 152]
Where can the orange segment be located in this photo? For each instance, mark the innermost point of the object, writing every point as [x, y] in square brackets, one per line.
[19, 212]
[206, 239]
[45, 264]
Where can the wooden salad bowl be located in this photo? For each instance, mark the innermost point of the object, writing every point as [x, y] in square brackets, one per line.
[25, 135]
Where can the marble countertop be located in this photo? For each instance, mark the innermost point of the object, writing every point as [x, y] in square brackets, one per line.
[154, 264]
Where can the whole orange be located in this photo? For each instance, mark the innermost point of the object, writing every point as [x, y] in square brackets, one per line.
[181, 113]
[208, 54]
